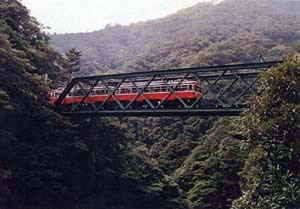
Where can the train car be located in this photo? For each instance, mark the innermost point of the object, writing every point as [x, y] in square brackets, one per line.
[54, 94]
[155, 92]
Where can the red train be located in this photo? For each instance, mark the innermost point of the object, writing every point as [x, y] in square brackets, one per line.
[156, 92]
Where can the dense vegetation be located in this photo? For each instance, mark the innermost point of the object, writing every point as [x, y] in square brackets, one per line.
[271, 175]
[206, 168]
[48, 161]
[209, 176]
[230, 32]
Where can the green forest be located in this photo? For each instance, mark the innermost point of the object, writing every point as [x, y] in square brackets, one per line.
[49, 161]
[230, 32]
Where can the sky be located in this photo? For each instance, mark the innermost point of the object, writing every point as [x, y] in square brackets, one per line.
[68, 16]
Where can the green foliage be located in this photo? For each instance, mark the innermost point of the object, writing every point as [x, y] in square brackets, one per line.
[73, 61]
[25, 37]
[230, 32]
[145, 184]
[271, 174]
[5, 100]
[33, 162]
[168, 140]
[168, 163]
[152, 156]
[209, 176]
[47, 161]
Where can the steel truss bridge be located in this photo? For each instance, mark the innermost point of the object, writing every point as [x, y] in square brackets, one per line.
[226, 90]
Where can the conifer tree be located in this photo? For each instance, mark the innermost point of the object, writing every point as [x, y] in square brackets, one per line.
[73, 61]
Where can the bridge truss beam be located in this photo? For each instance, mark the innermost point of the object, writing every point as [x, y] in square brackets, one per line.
[226, 90]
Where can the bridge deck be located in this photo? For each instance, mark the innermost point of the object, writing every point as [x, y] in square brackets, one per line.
[159, 113]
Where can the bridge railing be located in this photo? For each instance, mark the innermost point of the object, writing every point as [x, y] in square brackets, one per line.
[225, 90]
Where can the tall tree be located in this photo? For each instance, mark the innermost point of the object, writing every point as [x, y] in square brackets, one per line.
[73, 61]
[272, 171]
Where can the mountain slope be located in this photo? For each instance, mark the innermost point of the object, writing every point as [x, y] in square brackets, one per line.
[229, 32]
[49, 161]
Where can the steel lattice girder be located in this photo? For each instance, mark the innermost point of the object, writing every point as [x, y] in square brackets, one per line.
[219, 84]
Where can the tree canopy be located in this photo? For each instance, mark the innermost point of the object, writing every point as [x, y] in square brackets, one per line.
[49, 161]
[233, 31]
[271, 176]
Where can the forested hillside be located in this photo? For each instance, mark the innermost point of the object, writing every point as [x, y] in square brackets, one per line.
[48, 161]
[230, 32]
[206, 165]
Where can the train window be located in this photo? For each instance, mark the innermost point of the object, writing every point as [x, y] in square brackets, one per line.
[153, 89]
[79, 93]
[124, 91]
[101, 92]
[184, 87]
[163, 88]
[134, 90]
[190, 87]
[157, 89]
